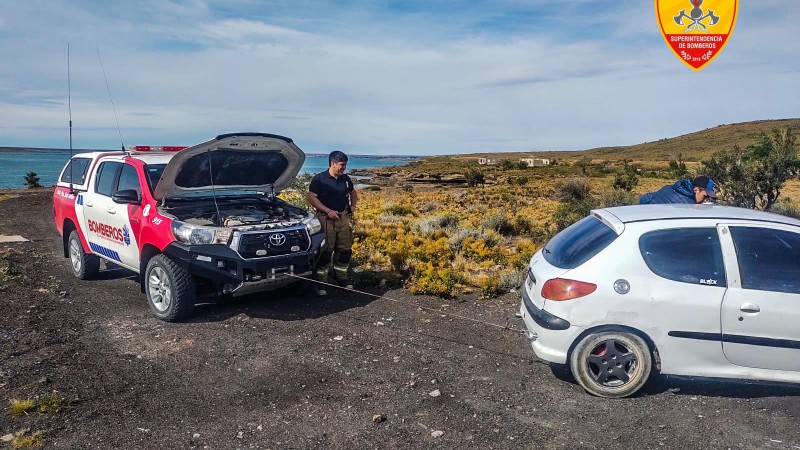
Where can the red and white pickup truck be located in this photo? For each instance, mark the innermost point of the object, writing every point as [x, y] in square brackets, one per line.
[181, 218]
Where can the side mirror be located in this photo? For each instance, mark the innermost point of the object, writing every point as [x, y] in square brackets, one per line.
[129, 196]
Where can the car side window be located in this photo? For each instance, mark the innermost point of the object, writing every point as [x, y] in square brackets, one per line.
[128, 179]
[769, 260]
[106, 176]
[76, 169]
[688, 255]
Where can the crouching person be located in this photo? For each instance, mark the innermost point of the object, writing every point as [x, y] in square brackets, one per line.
[334, 197]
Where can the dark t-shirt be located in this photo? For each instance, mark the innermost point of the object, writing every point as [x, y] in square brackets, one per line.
[332, 192]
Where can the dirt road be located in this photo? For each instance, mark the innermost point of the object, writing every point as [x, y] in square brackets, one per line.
[297, 372]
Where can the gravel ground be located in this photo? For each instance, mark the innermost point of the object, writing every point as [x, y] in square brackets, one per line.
[282, 371]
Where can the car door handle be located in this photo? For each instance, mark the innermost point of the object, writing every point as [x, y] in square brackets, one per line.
[749, 308]
[88, 203]
[111, 210]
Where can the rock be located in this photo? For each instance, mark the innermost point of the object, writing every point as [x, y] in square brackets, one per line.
[7, 438]
[378, 418]
[196, 435]
[437, 433]
[338, 338]
[435, 393]
[240, 435]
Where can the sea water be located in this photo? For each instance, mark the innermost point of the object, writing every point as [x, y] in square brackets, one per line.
[48, 164]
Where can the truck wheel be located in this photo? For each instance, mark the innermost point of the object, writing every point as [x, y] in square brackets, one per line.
[169, 289]
[84, 265]
[611, 364]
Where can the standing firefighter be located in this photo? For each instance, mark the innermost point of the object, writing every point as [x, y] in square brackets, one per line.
[333, 195]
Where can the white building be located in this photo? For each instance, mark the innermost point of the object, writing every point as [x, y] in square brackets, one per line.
[536, 162]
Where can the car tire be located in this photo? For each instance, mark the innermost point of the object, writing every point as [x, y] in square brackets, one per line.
[169, 289]
[611, 364]
[84, 265]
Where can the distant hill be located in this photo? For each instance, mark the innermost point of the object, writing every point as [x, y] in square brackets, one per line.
[693, 146]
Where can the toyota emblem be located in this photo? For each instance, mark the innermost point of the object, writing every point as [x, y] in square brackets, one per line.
[277, 239]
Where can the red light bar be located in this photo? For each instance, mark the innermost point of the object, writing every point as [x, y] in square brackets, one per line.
[156, 148]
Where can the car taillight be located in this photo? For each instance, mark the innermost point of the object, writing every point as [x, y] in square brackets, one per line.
[560, 289]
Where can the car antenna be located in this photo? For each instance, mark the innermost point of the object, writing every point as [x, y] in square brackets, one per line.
[69, 106]
[213, 189]
[110, 98]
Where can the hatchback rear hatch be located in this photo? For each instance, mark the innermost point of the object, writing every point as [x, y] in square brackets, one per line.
[565, 251]
[232, 162]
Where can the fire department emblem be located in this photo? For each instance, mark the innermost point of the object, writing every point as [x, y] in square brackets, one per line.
[126, 235]
[696, 30]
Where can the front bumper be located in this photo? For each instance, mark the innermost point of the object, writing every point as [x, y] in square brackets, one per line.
[549, 336]
[226, 268]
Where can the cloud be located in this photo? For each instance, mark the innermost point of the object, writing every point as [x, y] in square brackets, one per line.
[381, 77]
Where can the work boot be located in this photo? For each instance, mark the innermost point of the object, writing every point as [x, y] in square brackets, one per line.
[347, 283]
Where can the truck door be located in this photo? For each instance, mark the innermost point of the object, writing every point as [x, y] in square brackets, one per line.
[760, 313]
[126, 219]
[104, 239]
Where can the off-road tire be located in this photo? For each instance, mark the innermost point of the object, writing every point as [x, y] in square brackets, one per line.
[84, 265]
[169, 289]
[611, 364]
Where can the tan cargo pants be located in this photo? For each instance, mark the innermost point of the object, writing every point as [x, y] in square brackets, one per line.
[338, 246]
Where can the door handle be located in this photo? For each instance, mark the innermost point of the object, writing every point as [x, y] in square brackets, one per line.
[749, 308]
[88, 203]
[111, 210]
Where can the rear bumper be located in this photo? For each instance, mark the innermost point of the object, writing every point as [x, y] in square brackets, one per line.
[223, 266]
[547, 334]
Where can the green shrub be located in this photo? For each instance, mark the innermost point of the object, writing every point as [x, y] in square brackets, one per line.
[499, 223]
[573, 190]
[474, 177]
[32, 180]
[400, 210]
[429, 225]
[786, 208]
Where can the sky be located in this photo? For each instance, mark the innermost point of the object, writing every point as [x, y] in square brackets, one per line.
[381, 77]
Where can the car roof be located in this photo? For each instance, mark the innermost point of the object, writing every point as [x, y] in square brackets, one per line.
[642, 213]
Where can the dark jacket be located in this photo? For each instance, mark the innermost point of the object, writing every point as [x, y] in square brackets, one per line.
[680, 192]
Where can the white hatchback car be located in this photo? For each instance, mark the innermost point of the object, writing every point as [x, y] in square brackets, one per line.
[692, 290]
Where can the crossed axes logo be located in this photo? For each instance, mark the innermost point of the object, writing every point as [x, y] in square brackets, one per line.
[696, 16]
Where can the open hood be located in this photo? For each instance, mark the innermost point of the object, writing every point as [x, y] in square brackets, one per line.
[255, 161]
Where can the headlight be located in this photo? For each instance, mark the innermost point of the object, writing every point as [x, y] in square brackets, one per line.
[195, 234]
[312, 224]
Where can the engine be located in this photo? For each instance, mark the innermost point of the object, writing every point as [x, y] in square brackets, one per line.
[255, 215]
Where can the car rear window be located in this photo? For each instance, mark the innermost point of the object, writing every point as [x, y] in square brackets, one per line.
[77, 168]
[688, 255]
[579, 242]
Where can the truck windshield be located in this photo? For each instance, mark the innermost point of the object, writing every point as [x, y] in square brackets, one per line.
[153, 172]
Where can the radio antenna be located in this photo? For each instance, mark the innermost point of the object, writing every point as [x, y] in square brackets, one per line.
[111, 98]
[69, 106]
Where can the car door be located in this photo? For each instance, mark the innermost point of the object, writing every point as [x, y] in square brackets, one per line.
[125, 220]
[761, 310]
[96, 202]
[684, 299]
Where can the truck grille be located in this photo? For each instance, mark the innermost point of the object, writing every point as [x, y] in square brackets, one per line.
[273, 243]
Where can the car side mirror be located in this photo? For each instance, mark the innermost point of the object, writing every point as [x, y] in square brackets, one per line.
[129, 196]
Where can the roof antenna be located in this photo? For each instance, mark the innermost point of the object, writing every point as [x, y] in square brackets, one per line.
[213, 189]
[111, 98]
[69, 106]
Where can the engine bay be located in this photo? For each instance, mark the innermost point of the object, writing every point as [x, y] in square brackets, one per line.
[242, 214]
